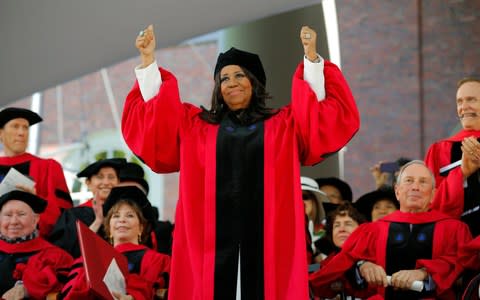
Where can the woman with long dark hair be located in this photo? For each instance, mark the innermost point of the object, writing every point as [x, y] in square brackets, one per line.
[239, 209]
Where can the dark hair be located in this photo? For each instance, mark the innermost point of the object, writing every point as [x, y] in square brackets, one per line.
[255, 112]
[146, 226]
[471, 78]
[312, 197]
[402, 161]
[344, 209]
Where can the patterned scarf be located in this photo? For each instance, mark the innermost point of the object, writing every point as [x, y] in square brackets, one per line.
[21, 239]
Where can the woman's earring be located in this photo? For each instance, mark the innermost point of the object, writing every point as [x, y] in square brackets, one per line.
[110, 239]
[139, 238]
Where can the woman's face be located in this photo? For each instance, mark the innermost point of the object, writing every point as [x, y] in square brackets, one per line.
[381, 208]
[103, 182]
[343, 226]
[333, 193]
[310, 209]
[235, 87]
[125, 225]
[17, 219]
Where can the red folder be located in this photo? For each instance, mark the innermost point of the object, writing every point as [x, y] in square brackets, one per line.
[97, 257]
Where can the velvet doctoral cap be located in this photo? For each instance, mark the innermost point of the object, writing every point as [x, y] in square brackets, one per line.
[247, 60]
[133, 194]
[365, 203]
[342, 186]
[37, 204]
[133, 172]
[94, 168]
[11, 113]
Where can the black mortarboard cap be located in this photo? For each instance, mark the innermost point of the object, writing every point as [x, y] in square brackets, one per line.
[131, 193]
[247, 60]
[365, 203]
[133, 172]
[36, 203]
[343, 187]
[92, 169]
[11, 113]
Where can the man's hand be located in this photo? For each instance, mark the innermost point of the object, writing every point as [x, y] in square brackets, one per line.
[470, 156]
[373, 274]
[15, 293]
[26, 189]
[404, 279]
[120, 296]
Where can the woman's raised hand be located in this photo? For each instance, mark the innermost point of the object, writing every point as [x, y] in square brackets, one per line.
[308, 36]
[145, 43]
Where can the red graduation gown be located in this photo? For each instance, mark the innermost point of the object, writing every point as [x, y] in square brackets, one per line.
[41, 272]
[449, 197]
[153, 268]
[50, 185]
[330, 291]
[369, 241]
[170, 136]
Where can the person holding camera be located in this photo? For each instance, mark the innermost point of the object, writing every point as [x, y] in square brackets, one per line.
[385, 173]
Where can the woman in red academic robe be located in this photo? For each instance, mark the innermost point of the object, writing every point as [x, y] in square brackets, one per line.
[340, 224]
[30, 266]
[128, 219]
[101, 176]
[240, 199]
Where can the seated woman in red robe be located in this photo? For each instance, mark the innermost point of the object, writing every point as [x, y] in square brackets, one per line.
[340, 224]
[127, 224]
[30, 266]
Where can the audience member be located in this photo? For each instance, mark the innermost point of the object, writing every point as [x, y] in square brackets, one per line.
[340, 224]
[128, 220]
[162, 232]
[411, 244]
[312, 200]
[385, 173]
[48, 174]
[377, 204]
[30, 267]
[101, 177]
[336, 189]
[239, 142]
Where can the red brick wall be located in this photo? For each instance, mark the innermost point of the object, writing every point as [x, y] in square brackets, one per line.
[380, 57]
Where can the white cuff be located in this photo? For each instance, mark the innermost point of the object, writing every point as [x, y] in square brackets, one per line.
[313, 74]
[149, 80]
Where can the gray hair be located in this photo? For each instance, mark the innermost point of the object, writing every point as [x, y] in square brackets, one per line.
[414, 162]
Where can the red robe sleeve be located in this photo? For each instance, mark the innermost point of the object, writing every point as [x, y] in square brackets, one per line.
[51, 185]
[57, 185]
[324, 127]
[341, 284]
[151, 129]
[450, 236]
[42, 271]
[469, 254]
[155, 268]
[360, 245]
[449, 195]
[76, 287]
